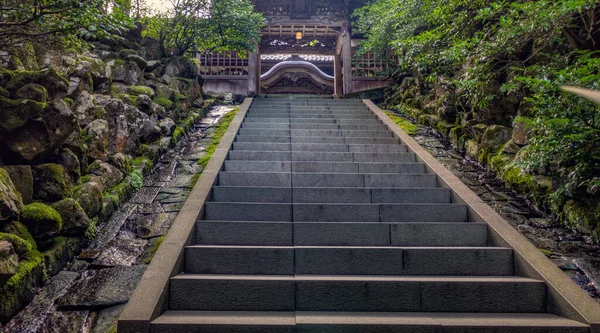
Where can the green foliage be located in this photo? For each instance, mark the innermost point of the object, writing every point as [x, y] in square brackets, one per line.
[92, 229]
[177, 134]
[41, 212]
[509, 50]
[203, 25]
[164, 102]
[43, 21]
[403, 123]
[218, 134]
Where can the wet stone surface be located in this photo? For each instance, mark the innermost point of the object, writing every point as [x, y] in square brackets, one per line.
[574, 253]
[88, 296]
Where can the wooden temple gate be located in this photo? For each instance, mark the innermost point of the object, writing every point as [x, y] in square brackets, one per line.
[306, 47]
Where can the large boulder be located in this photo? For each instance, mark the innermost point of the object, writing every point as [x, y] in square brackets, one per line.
[75, 221]
[9, 261]
[70, 162]
[22, 178]
[43, 222]
[96, 137]
[167, 126]
[10, 199]
[149, 132]
[30, 131]
[118, 127]
[50, 182]
[151, 48]
[181, 67]
[495, 136]
[32, 91]
[109, 175]
[128, 73]
[86, 109]
[89, 196]
[49, 78]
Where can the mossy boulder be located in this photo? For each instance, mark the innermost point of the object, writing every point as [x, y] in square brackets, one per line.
[70, 162]
[10, 199]
[20, 289]
[75, 220]
[86, 109]
[535, 187]
[181, 67]
[49, 78]
[20, 245]
[30, 131]
[4, 92]
[109, 175]
[18, 229]
[95, 139]
[32, 91]
[43, 221]
[50, 182]
[495, 137]
[582, 217]
[126, 72]
[89, 196]
[9, 261]
[140, 90]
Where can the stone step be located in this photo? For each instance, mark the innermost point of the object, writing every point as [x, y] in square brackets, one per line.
[320, 156]
[411, 212]
[357, 293]
[363, 127]
[341, 233]
[356, 167]
[329, 195]
[316, 140]
[284, 179]
[306, 115]
[307, 111]
[287, 120]
[361, 322]
[318, 133]
[336, 260]
[269, 146]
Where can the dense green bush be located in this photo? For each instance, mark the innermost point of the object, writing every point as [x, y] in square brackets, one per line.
[522, 51]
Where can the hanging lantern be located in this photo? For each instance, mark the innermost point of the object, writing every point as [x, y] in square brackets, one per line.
[299, 35]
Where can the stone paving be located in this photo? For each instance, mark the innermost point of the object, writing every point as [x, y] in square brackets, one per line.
[89, 295]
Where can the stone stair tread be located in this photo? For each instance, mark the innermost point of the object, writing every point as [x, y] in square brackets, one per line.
[252, 318]
[359, 278]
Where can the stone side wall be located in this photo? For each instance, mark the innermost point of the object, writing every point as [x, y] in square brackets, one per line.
[77, 134]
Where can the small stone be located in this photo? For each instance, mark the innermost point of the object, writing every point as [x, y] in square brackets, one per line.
[9, 261]
[89, 196]
[148, 226]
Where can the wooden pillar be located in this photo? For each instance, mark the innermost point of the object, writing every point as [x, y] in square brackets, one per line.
[347, 59]
[337, 74]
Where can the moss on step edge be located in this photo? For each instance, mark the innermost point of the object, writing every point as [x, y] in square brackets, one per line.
[154, 249]
[220, 130]
[403, 123]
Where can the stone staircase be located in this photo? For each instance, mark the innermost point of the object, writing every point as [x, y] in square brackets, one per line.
[323, 221]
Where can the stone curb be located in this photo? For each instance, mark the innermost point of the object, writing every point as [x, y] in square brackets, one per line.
[565, 298]
[150, 297]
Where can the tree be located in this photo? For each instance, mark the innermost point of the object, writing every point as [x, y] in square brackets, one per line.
[42, 20]
[205, 25]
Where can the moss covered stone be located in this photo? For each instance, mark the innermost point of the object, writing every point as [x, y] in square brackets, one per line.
[537, 188]
[43, 221]
[444, 128]
[164, 102]
[140, 90]
[177, 134]
[4, 92]
[50, 182]
[75, 220]
[32, 91]
[10, 199]
[21, 246]
[403, 123]
[583, 217]
[19, 229]
[495, 137]
[21, 287]
[16, 113]
[89, 196]
[49, 78]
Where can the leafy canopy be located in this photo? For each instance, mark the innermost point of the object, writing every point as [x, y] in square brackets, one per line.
[42, 21]
[206, 25]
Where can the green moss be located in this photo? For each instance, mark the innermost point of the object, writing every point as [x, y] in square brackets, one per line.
[16, 113]
[140, 90]
[40, 212]
[4, 92]
[91, 231]
[582, 216]
[499, 162]
[403, 123]
[140, 161]
[538, 189]
[20, 230]
[48, 78]
[137, 179]
[55, 177]
[22, 283]
[154, 249]
[220, 130]
[22, 247]
[177, 134]
[444, 128]
[164, 102]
